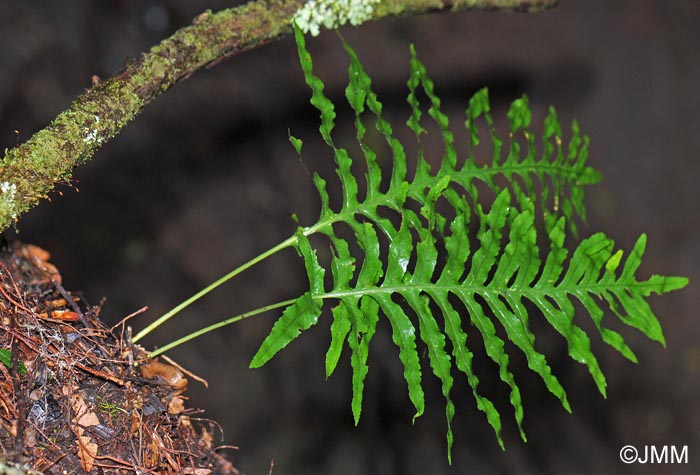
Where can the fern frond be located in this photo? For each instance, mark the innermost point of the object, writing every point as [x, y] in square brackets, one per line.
[433, 278]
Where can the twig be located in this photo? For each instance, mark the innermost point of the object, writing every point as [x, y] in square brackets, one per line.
[127, 318]
[100, 374]
[71, 303]
[17, 388]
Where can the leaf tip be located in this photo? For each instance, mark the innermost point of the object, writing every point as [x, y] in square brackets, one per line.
[296, 143]
[256, 362]
[418, 413]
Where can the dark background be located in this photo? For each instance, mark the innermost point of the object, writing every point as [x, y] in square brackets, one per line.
[205, 179]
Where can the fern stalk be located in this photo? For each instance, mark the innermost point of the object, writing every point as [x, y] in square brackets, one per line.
[217, 325]
[214, 285]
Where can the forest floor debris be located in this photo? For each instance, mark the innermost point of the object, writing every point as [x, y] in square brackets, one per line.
[78, 397]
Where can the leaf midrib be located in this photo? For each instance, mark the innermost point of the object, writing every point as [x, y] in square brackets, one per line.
[596, 289]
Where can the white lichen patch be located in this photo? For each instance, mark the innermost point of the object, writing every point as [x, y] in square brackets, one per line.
[8, 203]
[91, 135]
[332, 14]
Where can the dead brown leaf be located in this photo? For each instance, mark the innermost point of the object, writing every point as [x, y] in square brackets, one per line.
[167, 373]
[62, 315]
[207, 438]
[87, 451]
[176, 405]
[35, 253]
[196, 471]
[84, 417]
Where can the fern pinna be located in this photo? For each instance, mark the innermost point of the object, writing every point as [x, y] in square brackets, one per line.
[492, 277]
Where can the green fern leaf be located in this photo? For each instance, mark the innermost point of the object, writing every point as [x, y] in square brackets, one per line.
[433, 278]
[339, 331]
[301, 315]
[343, 268]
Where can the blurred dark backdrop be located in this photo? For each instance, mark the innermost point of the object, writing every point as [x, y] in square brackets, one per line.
[205, 179]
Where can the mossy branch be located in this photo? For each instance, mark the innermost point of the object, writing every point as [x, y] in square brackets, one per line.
[30, 171]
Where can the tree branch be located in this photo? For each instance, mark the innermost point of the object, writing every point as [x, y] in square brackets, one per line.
[30, 171]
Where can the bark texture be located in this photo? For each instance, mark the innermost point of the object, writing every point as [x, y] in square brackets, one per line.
[30, 171]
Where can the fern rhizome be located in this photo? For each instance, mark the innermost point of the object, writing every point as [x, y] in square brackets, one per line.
[434, 281]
